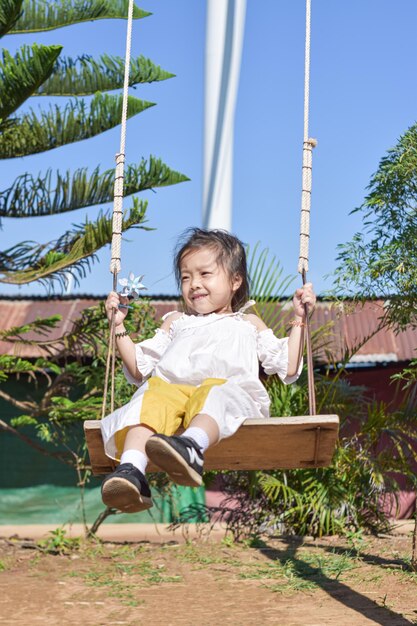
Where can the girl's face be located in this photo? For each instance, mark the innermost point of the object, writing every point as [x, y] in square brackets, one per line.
[206, 286]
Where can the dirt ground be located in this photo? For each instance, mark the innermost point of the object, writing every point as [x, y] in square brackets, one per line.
[286, 581]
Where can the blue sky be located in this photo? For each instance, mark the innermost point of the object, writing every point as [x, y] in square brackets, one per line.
[363, 97]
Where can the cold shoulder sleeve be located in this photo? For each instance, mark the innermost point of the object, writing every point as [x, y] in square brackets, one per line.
[273, 355]
[148, 355]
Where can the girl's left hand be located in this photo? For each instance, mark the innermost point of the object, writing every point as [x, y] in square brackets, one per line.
[304, 295]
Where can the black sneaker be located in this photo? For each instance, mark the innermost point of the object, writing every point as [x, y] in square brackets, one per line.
[180, 457]
[126, 489]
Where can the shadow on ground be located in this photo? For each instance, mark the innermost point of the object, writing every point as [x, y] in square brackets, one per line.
[335, 588]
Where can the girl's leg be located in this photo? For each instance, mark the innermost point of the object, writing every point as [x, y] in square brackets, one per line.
[204, 430]
[182, 456]
[126, 488]
[137, 436]
[134, 447]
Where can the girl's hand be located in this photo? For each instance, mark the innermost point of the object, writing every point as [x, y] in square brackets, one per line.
[304, 295]
[112, 304]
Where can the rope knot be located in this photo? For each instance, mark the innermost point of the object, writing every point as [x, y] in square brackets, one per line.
[119, 157]
[309, 143]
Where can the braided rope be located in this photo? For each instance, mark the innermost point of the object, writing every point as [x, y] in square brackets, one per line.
[308, 145]
[120, 158]
[116, 244]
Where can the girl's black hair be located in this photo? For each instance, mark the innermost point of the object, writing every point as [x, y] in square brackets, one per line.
[231, 255]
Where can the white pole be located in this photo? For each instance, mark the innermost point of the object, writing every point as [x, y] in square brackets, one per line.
[224, 40]
[69, 283]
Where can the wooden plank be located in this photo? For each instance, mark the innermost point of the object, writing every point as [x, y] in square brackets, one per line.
[274, 443]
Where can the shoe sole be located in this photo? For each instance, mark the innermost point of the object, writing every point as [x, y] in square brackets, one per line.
[121, 494]
[171, 462]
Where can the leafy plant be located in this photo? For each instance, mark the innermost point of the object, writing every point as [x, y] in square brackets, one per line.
[377, 444]
[380, 261]
[58, 542]
[341, 499]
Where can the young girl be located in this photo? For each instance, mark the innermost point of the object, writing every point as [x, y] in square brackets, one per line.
[199, 371]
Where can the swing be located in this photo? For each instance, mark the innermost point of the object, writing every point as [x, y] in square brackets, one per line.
[273, 443]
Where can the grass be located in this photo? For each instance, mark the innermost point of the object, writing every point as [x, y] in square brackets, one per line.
[193, 554]
[283, 572]
[127, 570]
[306, 572]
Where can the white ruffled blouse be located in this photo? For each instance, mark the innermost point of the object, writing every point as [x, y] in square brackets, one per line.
[216, 345]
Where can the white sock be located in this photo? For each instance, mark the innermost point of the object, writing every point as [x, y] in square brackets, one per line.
[199, 435]
[137, 458]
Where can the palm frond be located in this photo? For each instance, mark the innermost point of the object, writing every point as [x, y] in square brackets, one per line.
[276, 487]
[39, 15]
[57, 127]
[32, 197]
[10, 11]
[22, 74]
[85, 75]
[268, 286]
[74, 252]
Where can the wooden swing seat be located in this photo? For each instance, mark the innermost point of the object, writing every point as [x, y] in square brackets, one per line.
[273, 443]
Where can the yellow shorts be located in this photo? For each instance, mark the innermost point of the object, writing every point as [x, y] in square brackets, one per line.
[167, 406]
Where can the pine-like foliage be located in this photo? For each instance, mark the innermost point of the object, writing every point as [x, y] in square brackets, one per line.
[41, 70]
[56, 192]
[74, 252]
[39, 15]
[85, 75]
[22, 74]
[78, 120]
[10, 12]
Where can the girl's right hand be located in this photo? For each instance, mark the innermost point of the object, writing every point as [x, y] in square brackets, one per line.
[112, 304]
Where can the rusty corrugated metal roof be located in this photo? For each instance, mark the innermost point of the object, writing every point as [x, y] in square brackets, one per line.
[358, 325]
[348, 326]
[19, 312]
